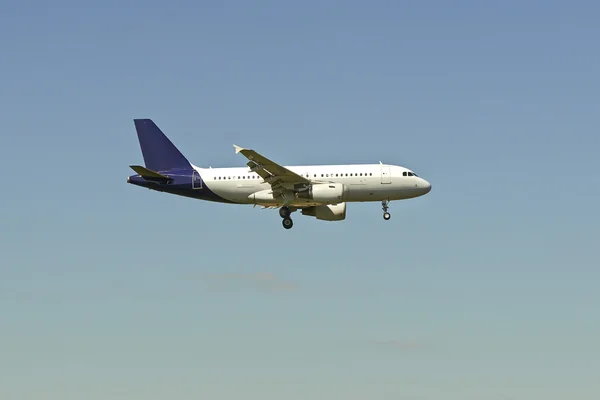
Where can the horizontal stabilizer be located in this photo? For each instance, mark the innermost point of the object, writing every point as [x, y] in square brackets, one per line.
[148, 174]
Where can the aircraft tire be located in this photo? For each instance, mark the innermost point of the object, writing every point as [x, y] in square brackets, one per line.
[287, 223]
[387, 216]
[284, 212]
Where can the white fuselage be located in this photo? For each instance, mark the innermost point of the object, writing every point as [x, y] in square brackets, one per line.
[364, 182]
[319, 191]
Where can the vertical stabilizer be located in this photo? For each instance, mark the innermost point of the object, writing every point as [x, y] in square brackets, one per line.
[160, 154]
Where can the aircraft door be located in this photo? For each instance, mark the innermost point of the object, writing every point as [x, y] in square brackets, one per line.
[386, 175]
[196, 180]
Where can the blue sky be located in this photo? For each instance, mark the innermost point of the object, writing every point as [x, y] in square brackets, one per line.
[486, 288]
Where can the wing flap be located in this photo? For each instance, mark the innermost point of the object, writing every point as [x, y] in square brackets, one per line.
[273, 173]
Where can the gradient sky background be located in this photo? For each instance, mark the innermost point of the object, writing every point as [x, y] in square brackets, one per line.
[486, 288]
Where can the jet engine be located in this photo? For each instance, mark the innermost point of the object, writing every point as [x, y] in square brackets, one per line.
[332, 212]
[328, 193]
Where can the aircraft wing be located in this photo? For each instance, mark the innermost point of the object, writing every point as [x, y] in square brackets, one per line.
[273, 173]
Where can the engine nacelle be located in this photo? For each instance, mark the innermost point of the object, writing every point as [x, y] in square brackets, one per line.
[328, 193]
[331, 212]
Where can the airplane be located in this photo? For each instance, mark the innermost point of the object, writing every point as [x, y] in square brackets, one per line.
[320, 191]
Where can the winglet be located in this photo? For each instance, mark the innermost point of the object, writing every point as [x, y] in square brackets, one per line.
[237, 148]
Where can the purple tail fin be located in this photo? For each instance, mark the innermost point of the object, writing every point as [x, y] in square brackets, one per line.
[160, 154]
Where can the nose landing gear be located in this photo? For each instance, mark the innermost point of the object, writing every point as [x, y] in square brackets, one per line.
[384, 206]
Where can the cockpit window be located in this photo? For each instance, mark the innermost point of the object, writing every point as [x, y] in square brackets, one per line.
[404, 173]
[415, 174]
[410, 174]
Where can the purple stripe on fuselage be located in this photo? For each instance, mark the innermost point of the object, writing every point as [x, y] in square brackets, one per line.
[182, 184]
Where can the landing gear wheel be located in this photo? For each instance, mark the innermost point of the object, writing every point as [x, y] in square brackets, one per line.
[287, 223]
[384, 206]
[284, 212]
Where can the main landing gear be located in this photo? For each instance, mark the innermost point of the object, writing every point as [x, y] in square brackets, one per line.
[284, 212]
[384, 206]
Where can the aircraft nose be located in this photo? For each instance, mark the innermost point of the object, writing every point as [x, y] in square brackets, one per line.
[426, 186]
